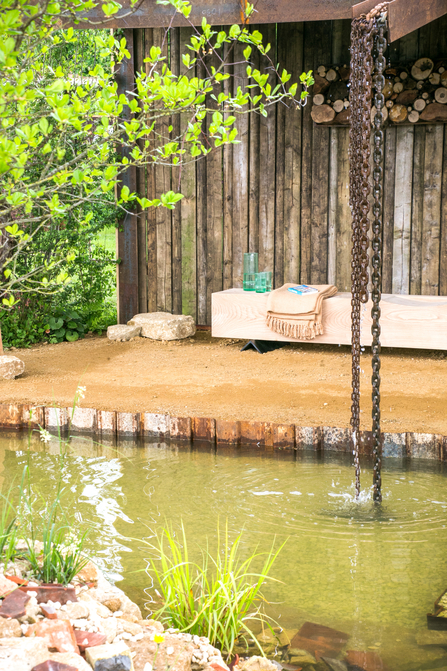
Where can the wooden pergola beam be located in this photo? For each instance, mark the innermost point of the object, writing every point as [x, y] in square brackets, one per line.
[405, 16]
[149, 14]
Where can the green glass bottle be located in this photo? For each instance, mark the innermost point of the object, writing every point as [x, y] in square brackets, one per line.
[250, 270]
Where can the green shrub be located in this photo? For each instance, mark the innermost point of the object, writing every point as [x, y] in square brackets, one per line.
[218, 598]
[65, 325]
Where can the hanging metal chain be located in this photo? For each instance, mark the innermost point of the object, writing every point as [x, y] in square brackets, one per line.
[363, 31]
[359, 189]
[376, 277]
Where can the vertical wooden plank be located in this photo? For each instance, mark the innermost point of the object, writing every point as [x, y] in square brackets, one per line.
[254, 168]
[214, 214]
[417, 210]
[339, 214]
[267, 157]
[188, 210]
[332, 210]
[228, 188]
[320, 170]
[163, 216]
[432, 209]
[240, 173]
[141, 188]
[438, 38]
[343, 214]
[127, 236]
[402, 210]
[389, 174]
[306, 162]
[278, 280]
[176, 186]
[151, 214]
[443, 250]
[201, 219]
[408, 50]
[292, 157]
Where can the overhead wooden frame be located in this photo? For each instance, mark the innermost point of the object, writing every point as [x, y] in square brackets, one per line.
[149, 14]
[405, 16]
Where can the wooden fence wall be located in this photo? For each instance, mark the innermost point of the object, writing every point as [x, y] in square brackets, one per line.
[283, 192]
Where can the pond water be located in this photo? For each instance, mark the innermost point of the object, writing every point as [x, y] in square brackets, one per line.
[371, 571]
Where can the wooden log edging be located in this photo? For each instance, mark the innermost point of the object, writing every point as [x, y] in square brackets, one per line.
[268, 435]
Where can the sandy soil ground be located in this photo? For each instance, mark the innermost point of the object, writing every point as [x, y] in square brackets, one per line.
[204, 377]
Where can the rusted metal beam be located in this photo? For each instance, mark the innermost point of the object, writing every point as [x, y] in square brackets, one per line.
[127, 276]
[149, 14]
[405, 16]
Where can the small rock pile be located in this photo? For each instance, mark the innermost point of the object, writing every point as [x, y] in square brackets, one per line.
[154, 325]
[91, 624]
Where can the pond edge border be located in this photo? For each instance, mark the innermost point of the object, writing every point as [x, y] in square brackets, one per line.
[267, 435]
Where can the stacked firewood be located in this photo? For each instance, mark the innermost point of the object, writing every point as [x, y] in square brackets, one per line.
[414, 93]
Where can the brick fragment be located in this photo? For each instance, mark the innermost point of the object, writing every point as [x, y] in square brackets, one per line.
[58, 634]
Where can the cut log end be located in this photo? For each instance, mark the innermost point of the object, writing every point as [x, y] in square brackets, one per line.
[413, 116]
[434, 112]
[441, 95]
[422, 69]
[331, 75]
[398, 113]
[318, 99]
[435, 78]
[339, 106]
[322, 113]
[343, 117]
[419, 105]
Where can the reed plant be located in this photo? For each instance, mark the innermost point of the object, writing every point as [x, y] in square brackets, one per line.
[219, 598]
[49, 542]
[61, 556]
[8, 526]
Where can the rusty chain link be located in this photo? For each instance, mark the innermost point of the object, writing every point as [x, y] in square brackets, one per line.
[376, 276]
[365, 34]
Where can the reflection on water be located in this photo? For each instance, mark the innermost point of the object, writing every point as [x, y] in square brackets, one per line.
[372, 571]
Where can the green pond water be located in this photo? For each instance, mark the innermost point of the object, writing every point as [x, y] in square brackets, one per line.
[371, 571]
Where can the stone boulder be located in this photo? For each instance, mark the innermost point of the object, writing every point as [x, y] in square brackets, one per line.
[164, 326]
[22, 654]
[10, 367]
[122, 332]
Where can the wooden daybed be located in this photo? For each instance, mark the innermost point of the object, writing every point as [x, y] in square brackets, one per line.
[406, 321]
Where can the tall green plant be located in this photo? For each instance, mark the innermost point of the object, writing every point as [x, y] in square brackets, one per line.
[220, 598]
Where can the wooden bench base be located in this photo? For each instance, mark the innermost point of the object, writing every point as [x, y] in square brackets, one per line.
[407, 321]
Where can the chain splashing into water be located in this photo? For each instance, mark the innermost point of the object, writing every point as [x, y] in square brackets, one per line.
[364, 30]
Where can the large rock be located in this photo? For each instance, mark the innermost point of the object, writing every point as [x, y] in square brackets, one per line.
[122, 332]
[22, 654]
[164, 326]
[10, 367]
[115, 657]
[256, 663]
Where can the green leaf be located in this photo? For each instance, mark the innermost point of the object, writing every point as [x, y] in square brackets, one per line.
[71, 336]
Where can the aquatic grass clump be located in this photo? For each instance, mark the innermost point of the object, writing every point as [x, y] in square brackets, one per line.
[59, 557]
[220, 598]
